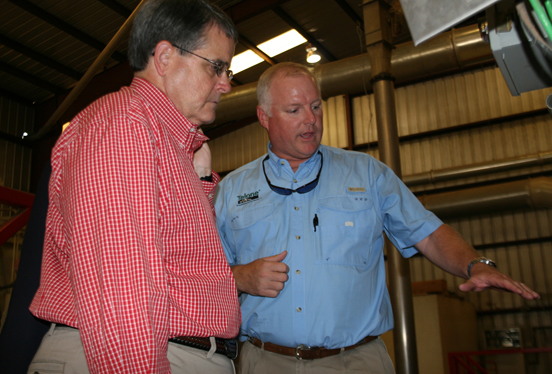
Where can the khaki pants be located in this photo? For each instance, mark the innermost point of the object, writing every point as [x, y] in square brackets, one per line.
[371, 358]
[61, 351]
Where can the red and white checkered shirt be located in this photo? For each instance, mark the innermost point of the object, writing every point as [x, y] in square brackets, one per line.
[132, 256]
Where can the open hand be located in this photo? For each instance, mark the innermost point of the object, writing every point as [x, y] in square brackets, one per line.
[484, 277]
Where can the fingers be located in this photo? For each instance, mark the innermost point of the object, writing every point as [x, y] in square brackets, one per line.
[276, 263]
[262, 277]
[525, 291]
[501, 283]
[279, 257]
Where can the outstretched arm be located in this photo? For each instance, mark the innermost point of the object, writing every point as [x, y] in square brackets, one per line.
[263, 277]
[448, 250]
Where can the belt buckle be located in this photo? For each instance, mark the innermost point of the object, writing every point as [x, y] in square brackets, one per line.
[302, 347]
[231, 346]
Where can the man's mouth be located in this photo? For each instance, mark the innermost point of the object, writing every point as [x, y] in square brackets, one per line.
[308, 135]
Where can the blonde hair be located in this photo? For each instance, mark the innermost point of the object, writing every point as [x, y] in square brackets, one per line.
[281, 70]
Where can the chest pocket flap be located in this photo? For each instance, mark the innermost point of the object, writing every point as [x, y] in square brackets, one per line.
[348, 203]
[250, 216]
[253, 232]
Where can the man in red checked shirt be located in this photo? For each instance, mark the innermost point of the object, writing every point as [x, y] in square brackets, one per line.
[134, 277]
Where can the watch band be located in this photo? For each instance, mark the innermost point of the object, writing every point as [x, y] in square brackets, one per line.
[477, 260]
[208, 178]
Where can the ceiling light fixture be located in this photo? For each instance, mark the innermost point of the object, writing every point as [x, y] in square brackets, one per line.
[282, 43]
[272, 47]
[312, 56]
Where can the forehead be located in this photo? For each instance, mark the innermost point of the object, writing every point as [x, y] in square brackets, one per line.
[216, 41]
[292, 88]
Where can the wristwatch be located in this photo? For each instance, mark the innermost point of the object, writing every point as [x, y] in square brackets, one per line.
[476, 260]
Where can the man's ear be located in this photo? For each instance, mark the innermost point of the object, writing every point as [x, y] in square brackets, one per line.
[263, 117]
[163, 56]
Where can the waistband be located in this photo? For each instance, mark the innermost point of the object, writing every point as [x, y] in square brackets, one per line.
[303, 352]
[227, 347]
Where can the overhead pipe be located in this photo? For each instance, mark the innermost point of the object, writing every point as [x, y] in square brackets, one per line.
[534, 193]
[435, 176]
[451, 51]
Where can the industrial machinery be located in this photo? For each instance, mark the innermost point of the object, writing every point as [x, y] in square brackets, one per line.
[519, 33]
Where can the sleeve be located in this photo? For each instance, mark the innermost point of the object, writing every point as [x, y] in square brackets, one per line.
[406, 222]
[221, 207]
[116, 266]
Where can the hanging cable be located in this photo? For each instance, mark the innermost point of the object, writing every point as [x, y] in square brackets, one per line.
[548, 6]
[543, 17]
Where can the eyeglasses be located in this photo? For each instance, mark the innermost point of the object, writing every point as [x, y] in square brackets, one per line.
[218, 66]
[303, 189]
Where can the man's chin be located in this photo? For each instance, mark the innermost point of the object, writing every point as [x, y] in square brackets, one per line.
[207, 119]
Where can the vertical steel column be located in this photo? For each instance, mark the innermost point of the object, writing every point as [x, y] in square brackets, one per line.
[379, 42]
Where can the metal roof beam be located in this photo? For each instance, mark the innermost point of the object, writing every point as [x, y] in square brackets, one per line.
[16, 98]
[44, 60]
[351, 13]
[258, 52]
[31, 79]
[65, 27]
[247, 9]
[118, 8]
[311, 39]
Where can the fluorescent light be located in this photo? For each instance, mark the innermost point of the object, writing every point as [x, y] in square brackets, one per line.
[272, 47]
[244, 61]
[282, 43]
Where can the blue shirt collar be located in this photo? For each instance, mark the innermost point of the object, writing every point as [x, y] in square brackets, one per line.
[279, 165]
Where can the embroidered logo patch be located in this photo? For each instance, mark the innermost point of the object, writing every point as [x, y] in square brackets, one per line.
[357, 189]
[248, 198]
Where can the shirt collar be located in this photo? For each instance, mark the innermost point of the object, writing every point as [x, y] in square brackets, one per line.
[279, 165]
[184, 131]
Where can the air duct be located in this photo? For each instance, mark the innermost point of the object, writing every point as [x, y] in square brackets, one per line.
[525, 194]
[435, 176]
[447, 52]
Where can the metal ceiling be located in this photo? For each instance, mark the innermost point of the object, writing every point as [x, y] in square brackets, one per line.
[47, 45]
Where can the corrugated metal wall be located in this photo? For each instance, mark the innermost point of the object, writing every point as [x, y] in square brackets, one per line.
[15, 172]
[486, 123]
[15, 160]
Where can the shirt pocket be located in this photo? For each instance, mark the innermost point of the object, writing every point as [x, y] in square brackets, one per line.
[254, 233]
[347, 227]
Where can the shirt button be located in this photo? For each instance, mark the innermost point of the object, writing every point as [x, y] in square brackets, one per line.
[297, 237]
[282, 163]
[193, 129]
[299, 310]
[295, 181]
[210, 196]
[298, 272]
[296, 208]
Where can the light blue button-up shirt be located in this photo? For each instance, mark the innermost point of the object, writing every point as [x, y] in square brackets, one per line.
[336, 293]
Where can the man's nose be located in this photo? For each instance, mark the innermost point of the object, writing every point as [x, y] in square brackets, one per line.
[224, 83]
[310, 118]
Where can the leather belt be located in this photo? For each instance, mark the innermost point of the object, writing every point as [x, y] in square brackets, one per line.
[227, 347]
[303, 352]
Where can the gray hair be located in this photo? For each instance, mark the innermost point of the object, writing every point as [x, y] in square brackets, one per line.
[281, 70]
[180, 22]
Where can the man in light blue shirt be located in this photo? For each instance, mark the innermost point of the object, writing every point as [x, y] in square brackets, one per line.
[303, 227]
